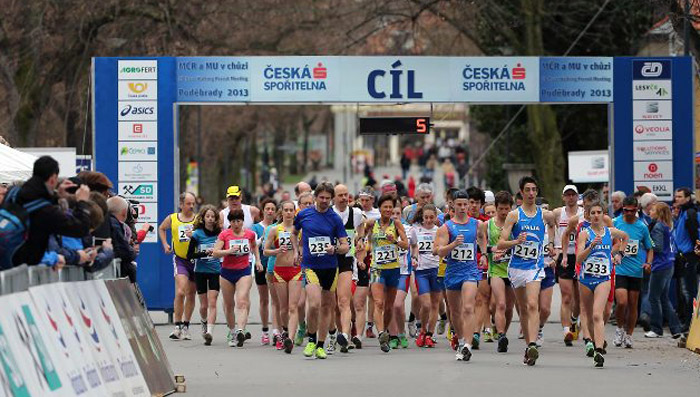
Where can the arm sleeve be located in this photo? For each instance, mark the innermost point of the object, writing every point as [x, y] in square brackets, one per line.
[50, 258]
[657, 238]
[691, 224]
[648, 244]
[192, 250]
[122, 248]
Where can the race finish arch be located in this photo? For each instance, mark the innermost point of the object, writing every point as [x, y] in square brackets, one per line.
[135, 113]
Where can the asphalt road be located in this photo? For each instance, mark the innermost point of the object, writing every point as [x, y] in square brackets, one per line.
[652, 368]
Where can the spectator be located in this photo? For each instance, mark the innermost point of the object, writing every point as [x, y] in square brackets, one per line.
[121, 236]
[50, 219]
[405, 165]
[617, 198]
[462, 169]
[646, 202]
[661, 273]
[3, 190]
[685, 233]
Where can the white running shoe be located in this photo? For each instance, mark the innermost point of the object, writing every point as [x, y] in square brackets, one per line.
[619, 336]
[332, 341]
[628, 341]
[412, 329]
[186, 333]
[441, 326]
[652, 334]
[459, 355]
[540, 338]
[176, 334]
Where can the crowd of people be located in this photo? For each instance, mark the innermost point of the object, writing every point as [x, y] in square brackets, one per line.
[77, 221]
[333, 268]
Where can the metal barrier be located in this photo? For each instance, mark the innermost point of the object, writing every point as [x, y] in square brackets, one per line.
[22, 277]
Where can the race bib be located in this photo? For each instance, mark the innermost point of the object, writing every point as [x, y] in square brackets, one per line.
[506, 256]
[318, 245]
[205, 248]
[597, 266]
[284, 239]
[425, 243]
[384, 254]
[351, 241]
[240, 246]
[182, 233]
[463, 252]
[527, 250]
[632, 248]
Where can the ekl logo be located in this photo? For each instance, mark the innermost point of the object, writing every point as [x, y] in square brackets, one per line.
[376, 81]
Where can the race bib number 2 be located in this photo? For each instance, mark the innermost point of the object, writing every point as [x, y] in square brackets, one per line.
[318, 245]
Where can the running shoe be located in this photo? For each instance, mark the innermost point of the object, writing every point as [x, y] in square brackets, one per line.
[429, 342]
[332, 343]
[441, 326]
[176, 334]
[299, 338]
[466, 353]
[652, 334]
[449, 333]
[240, 338]
[540, 338]
[384, 341]
[207, 339]
[265, 339]
[502, 344]
[320, 353]
[403, 341]
[420, 341]
[357, 342]
[590, 349]
[569, 338]
[394, 343]
[247, 334]
[203, 323]
[598, 359]
[488, 338]
[459, 355]
[619, 336]
[279, 342]
[310, 349]
[229, 335]
[412, 329]
[370, 332]
[454, 343]
[628, 341]
[330, 349]
[186, 333]
[288, 345]
[532, 354]
[475, 341]
[343, 342]
[575, 328]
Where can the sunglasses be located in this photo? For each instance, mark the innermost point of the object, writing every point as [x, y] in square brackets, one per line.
[629, 209]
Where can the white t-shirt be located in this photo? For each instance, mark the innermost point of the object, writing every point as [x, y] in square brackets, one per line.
[372, 214]
[425, 240]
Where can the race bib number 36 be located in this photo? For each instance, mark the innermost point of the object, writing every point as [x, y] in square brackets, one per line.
[527, 250]
[318, 245]
[596, 266]
[385, 254]
[632, 248]
[463, 252]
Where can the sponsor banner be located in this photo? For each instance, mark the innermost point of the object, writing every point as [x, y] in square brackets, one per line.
[137, 90]
[652, 171]
[142, 337]
[652, 110]
[148, 212]
[138, 151]
[313, 78]
[129, 171]
[151, 237]
[663, 190]
[652, 69]
[28, 367]
[138, 111]
[494, 79]
[60, 323]
[651, 89]
[213, 79]
[395, 79]
[145, 191]
[589, 166]
[652, 150]
[652, 130]
[137, 70]
[576, 79]
[138, 130]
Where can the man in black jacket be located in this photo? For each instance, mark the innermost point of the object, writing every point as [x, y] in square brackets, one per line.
[121, 239]
[50, 219]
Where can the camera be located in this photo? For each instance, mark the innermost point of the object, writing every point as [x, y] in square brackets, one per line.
[133, 213]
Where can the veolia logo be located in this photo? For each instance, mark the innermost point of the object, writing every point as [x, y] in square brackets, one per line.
[377, 83]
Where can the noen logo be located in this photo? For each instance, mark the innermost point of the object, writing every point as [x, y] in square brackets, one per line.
[376, 79]
[652, 69]
[653, 167]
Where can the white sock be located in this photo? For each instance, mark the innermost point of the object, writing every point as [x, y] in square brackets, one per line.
[275, 331]
[567, 330]
[462, 341]
[210, 328]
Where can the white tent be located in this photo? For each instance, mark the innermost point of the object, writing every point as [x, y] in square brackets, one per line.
[15, 165]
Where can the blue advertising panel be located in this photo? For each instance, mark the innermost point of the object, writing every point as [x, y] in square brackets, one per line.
[135, 107]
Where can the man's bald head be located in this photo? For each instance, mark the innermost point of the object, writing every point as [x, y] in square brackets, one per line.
[341, 196]
[301, 187]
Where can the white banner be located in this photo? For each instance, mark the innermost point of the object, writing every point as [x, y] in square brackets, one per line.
[494, 79]
[652, 110]
[138, 111]
[651, 89]
[663, 190]
[653, 171]
[138, 151]
[652, 130]
[137, 70]
[278, 79]
[130, 171]
[138, 90]
[589, 166]
[140, 191]
[652, 150]
[138, 130]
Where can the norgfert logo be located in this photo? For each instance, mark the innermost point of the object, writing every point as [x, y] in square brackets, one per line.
[137, 69]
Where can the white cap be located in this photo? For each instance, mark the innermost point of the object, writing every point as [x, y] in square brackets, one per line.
[569, 187]
[489, 197]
